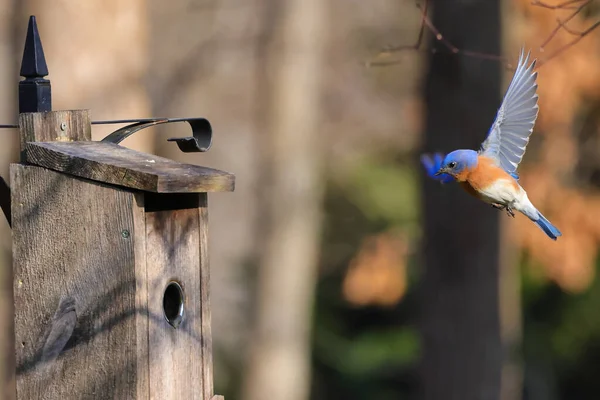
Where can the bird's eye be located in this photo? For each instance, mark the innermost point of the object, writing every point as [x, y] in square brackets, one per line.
[452, 164]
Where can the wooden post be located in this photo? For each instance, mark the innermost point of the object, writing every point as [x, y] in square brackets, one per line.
[110, 263]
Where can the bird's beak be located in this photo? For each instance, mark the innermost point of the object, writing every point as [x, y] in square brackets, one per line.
[441, 171]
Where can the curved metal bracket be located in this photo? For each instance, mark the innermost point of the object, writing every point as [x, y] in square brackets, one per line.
[200, 140]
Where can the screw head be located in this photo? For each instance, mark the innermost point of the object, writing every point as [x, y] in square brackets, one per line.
[125, 234]
[63, 126]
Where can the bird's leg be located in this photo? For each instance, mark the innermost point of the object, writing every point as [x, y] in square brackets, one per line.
[510, 211]
[498, 206]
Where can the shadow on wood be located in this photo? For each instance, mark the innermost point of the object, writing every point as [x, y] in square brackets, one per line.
[92, 263]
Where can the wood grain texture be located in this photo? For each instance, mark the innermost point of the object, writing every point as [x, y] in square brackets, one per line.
[207, 359]
[141, 298]
[114, 164]
[78, 321]
[173, 254]
[61, 126]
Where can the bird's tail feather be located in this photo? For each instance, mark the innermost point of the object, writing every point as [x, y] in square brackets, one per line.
[550, 230]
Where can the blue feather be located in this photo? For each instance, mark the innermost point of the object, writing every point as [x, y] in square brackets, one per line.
[432, 164]
[550, 230]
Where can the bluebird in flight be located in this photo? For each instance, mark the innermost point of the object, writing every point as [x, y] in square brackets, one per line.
[490, 174]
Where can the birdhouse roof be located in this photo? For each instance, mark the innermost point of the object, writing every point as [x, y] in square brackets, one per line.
[117, 165]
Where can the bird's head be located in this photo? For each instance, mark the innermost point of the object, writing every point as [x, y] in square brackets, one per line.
[457, 162]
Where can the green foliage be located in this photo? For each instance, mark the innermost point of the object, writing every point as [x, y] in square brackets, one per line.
[561, 338]
[370, 351]
[364, 352]
[386, 191]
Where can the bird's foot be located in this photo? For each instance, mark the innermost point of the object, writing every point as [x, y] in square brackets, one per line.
[510, 211]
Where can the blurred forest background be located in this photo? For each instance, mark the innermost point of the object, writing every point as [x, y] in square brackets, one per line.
[339, 271]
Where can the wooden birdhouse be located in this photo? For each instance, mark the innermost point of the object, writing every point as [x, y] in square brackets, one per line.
[110, 259]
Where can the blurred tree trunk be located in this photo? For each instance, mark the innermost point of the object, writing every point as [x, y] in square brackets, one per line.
[510, 316]
[462, 350]
[280, 351]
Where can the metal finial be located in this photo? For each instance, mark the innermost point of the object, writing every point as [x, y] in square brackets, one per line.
[34, 91]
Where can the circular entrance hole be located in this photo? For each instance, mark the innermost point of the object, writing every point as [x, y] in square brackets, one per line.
[173, 304]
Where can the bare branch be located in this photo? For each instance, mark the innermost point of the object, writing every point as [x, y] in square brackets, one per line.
[561, 24]
[576, 5]
[417, 44]
[439, 37]
[570, 44]
[422, 28]
[426, 23]
[567, 5]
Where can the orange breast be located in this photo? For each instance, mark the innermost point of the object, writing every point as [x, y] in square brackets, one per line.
[483, 175]
[469, 189]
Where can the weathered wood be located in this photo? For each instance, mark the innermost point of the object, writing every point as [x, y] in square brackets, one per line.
[217, 397]
[91, 264]
[141, 297]
[61, 126]
[74, 257]
[207, 359]
[173, 254]
[114, 164]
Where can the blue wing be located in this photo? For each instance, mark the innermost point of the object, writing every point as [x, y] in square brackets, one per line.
[509, 134]
[432, 165]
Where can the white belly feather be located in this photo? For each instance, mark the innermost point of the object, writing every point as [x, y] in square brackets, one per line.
[504, 192]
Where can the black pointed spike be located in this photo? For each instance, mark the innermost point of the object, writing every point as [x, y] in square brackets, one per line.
[34, 91]
[34, 62]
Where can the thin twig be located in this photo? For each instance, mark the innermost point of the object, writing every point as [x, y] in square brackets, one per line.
[576, 5]
[567, 5]
[581, 33]
[422, 28]
[561, 24]
[439, 37]
[570, 44]
[426, 23]
[417, 44]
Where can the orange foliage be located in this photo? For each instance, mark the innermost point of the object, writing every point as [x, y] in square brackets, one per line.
[564, 82]
[377, 275]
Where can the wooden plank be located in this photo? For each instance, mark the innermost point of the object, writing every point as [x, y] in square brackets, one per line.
[141, 298]
[62, 126]
[117, 165]
[76, 311]
[207, 358]
[173, 254]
